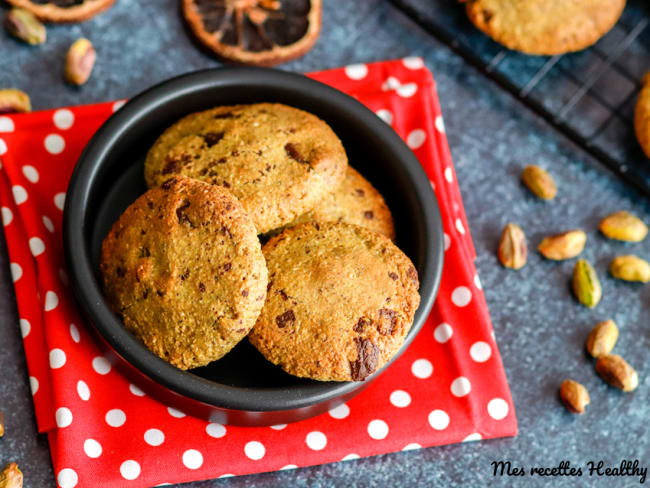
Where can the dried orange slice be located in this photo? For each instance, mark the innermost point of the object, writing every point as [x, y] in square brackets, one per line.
[257, 32]
[63, 10]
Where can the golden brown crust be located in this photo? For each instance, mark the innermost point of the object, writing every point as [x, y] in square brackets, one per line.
[184, 270]
[545, 27]
[49, 12]
[340, 301]
[642, 116]
[278, 160]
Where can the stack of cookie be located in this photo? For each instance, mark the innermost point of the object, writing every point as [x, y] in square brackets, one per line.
[328, 297]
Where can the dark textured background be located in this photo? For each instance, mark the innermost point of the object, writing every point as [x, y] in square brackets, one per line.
[539, 327]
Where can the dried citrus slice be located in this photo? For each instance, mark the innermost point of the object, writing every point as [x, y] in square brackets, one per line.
[63, 10]
[258, 32]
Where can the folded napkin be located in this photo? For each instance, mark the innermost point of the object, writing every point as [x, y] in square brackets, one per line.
[449, 386]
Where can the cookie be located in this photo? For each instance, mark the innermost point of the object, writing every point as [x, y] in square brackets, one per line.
[256, 32]
[278, 160]
[642, 116]
[184, 270]
[63, 10]
[545, 27]
[340, 301]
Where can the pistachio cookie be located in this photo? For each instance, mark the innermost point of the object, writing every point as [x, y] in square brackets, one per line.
[184, 270]
[340, 301]
[278, 160]
[357, 202]
[642, 116]
[545, 27]
[63, 10]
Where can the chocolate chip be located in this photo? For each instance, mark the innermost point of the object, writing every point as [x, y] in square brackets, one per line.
[168, 184]
[221, 160]
[144, 252]
[212, 138]
[227, 266]
[368, 214]
[244, 293]
[268, 287]
[181, 215]
[361, 324]
[235, 153]
[293, 153]
[120, 272]
[150, 204]
[160, 293]
[170, 167]
[393, 276]
[413, 274]
[359, 192]
[185, 274]
[145, 293]
[283, 294]
[387, 321]
[287, 318]
[367, 359]
[201, 287]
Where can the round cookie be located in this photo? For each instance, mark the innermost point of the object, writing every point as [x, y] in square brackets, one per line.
[545, 27]
[278, 160]
[340, 301]
[642, 116]
[183, 269]
[355, 201]
[63, 10]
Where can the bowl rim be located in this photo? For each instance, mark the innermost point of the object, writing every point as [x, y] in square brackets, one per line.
[87, 290]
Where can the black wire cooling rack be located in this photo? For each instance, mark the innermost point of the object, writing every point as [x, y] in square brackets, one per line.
[588, 96]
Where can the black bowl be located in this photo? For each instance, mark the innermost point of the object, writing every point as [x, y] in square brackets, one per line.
[242, 388]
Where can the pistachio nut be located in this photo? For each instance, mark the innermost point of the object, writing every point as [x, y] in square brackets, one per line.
[617, 372]
[586, 284]
[574, 396]
[623, 226]
[602, 338]
[23, 25]
[12, 100]
[11, 477]
[630, 268]
[563, 246]
[539, 181]
[80, 61]
[512, 247]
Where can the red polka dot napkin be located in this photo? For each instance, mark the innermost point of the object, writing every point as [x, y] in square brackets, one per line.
[449, 386]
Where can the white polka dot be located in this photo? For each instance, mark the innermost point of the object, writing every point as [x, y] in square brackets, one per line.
[25, 327]
[443, 333]
[136, 391]
[175, 413]
[288, 466]
[449, 174]
[54, 144]
[20, 194]
[83, 391]
[33, 385]
[6, 124]
[59, 200]
[497, 408]
[7, 216]
[385, 115]
[3, 147]
[63, 276]
[63, 119]
[254, 450]
[130, 470]
[349, 457]
[92, 448]
[477, 282]
[316, 441]
[440, 124]
[400, 398]
[461, 296]
[473, 437]
[216, 430]
[51, 301]
[438, 419]
[57, 358]
[411, 446]
[48, 223]
[36, 246]
[413, 62]
[192, 459]
[391, 83]
[416, 138]
[74, 333]
[154, 437]
[460, 387]
[63, 417]
[447, 240]
[340, 412]
[460, 227]
[115, 417]
[227, 475]
[356, 71]
[422, 368]
[16, 271]
[278, 426]
[480, 351]
[118, 105]
[378, 429]
[407, 90]
[30, 173]
[101, 365]
[67, 478]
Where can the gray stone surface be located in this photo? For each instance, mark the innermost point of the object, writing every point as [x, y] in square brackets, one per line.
[539, 327]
